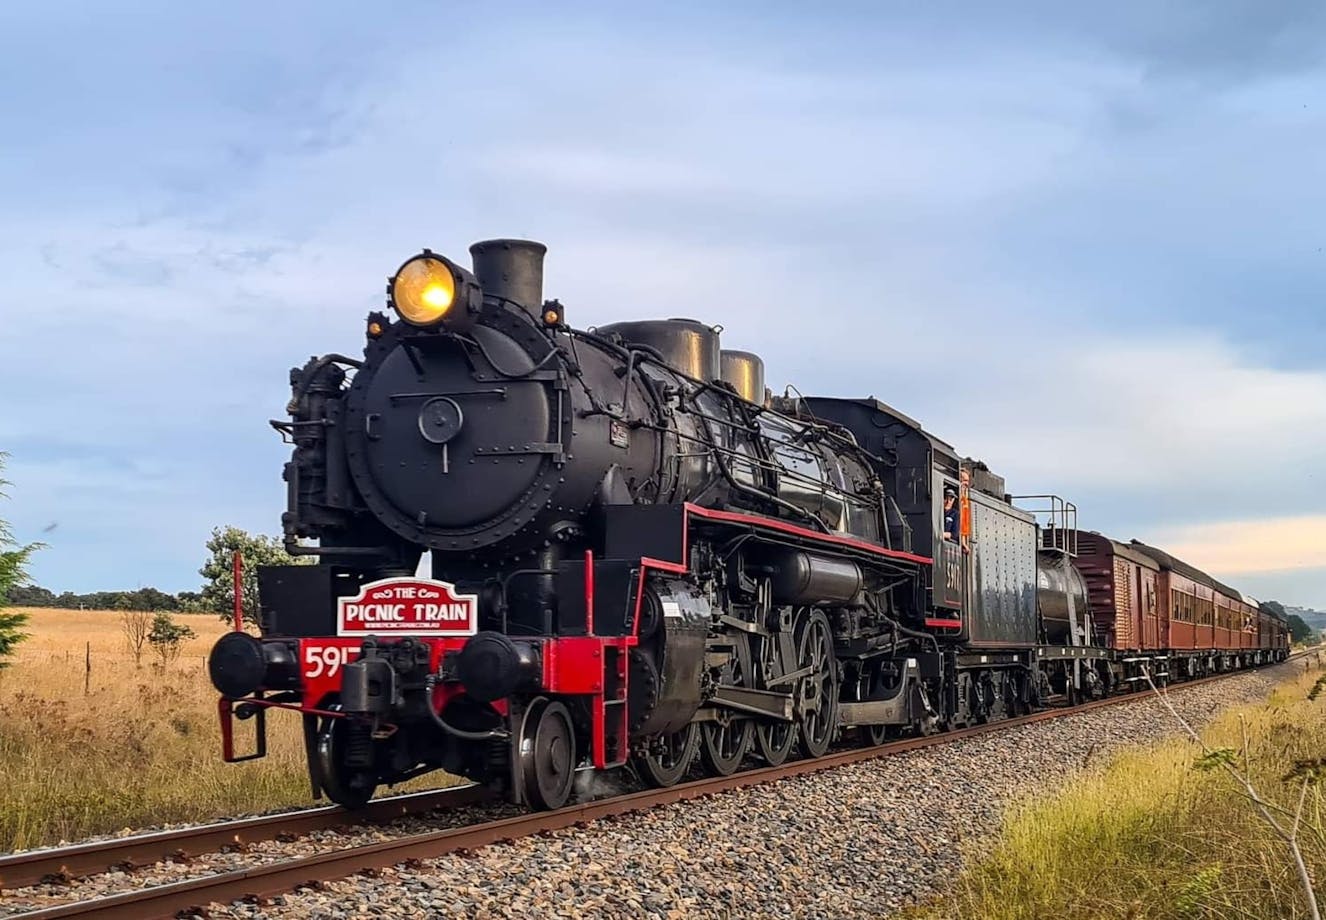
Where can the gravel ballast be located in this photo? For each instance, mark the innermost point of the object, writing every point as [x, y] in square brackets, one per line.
[245, 856]
[857, 841]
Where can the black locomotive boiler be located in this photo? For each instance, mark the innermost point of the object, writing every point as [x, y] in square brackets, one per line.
[635, 556]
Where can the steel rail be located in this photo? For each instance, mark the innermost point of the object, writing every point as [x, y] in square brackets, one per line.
[192, 896]
[20, 870]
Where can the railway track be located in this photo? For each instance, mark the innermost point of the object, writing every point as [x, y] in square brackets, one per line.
[186, 898]
[20, 870]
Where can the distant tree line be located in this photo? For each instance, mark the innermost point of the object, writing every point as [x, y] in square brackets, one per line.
[140, 599]
[216, 596]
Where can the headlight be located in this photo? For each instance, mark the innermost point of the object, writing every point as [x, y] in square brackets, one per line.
[429, 289]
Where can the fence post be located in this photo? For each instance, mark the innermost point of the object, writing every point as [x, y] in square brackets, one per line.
[87, 671]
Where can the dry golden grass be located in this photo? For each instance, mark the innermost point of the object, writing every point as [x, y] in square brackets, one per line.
[1152, 836]
[142, 747]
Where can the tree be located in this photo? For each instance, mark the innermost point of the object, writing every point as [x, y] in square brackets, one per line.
[137, 626]
[13, 572]
[218, 594]
[153, 599]
[166, 636]
[1299, 631]
[191, 602]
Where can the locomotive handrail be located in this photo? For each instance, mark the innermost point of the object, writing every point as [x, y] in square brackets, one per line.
[552, 352]
[1061, 533]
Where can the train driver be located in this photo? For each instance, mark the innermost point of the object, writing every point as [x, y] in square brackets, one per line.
[950, 514]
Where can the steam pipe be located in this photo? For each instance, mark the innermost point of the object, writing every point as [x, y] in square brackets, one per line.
[294, 548]
[429, 683]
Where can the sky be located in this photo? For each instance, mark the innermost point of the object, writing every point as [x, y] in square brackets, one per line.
[1081, 242]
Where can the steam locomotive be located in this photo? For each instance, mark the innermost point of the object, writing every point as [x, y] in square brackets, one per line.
[542, 550]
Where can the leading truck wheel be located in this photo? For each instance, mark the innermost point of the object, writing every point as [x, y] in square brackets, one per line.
[349, 787]
[548, 755]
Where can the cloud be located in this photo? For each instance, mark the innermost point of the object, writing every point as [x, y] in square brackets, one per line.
[1250, 547]
[1172, 409]
[1222, 42]
[1075, 243]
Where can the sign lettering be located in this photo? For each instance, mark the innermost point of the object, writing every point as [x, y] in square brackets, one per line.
[408, 606]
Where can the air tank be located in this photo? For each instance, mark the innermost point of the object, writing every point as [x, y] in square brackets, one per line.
[745, 371]
[688, 345]
[799, 577]
[1055, 585]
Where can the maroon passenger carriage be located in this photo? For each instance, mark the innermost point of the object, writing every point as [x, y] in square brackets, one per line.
[1159, 612]
[635, 558]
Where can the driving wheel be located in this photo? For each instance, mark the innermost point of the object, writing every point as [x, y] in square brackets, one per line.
[725, 741]
[668, 756]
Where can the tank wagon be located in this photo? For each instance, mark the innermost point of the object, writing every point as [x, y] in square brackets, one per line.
[543, 550]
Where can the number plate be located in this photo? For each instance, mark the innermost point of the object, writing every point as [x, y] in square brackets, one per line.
[322, 660]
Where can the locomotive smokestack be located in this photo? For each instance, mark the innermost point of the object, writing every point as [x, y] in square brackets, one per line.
[512, 269]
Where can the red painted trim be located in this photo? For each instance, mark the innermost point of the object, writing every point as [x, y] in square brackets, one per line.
[223, 711]
[236, 573]
[599, 742]
[937, 622]
[775, 524]
[681, 568]
[589, 592]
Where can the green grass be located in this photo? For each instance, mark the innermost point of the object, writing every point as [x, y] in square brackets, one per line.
[1153, 835]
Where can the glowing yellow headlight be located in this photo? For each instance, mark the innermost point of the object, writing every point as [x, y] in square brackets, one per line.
[423, 290]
